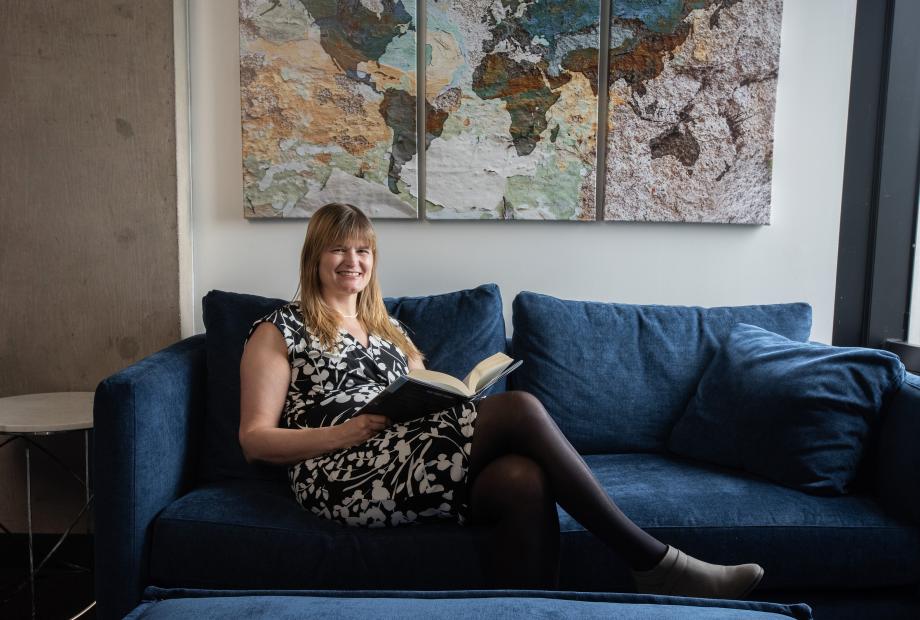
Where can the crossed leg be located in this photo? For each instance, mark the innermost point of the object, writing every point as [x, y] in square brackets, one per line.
[520, 466]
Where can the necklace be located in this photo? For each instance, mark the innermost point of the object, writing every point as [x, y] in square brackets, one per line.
[340, 313]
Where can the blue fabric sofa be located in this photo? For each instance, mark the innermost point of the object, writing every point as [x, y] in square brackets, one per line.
[178, 506]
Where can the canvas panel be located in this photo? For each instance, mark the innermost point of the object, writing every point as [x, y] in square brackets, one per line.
[511, 109]
[328, 106]
[692, 92]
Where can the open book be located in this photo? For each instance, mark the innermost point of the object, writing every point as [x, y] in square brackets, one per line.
[422, 392]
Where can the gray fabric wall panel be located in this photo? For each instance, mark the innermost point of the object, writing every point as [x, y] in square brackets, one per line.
[88, 247]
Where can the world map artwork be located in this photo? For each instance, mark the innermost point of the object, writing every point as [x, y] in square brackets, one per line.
[510, 108]
[512, 122]
[328, 93]
[691, 97]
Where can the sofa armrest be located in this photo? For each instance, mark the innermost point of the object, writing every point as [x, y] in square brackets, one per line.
[147, 420]
[898, 456]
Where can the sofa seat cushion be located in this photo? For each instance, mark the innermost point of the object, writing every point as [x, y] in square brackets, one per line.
[252, 534]
[728, 517]
[160, 604]
[247, 534]
[616, 377]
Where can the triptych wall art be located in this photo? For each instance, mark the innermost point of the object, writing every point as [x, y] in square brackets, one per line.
[330, 108]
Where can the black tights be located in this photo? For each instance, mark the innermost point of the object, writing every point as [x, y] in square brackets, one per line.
[521, 465]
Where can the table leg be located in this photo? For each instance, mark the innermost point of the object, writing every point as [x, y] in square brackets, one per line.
[29, 524]
[33, 570]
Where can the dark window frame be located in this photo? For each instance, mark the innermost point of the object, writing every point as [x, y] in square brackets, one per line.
[878, 217]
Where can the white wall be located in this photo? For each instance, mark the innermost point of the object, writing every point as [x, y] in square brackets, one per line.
[794, 259]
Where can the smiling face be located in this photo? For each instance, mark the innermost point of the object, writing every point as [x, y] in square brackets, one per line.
[345, 268]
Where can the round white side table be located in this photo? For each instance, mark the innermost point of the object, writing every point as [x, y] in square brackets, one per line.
[22, 418]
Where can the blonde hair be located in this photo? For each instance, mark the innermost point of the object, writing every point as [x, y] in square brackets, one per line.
[331, 225]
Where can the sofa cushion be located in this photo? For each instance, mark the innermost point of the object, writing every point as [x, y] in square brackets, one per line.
[796, 413]
[454, 330]
[162, 603]
[616, 377]
[227, 319]
[250, 534]
[804, 542]
[253, 534]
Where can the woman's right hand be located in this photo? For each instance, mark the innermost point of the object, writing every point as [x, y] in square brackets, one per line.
[361, 428]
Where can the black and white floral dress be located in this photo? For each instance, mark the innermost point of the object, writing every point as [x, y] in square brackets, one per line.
[408, 472]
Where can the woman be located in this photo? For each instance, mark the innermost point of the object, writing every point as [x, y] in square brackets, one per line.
[309, 366]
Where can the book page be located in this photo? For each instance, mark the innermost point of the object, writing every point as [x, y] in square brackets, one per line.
[486, 370]
[441, 380]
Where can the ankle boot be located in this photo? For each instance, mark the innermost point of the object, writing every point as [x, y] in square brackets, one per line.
[679, 574]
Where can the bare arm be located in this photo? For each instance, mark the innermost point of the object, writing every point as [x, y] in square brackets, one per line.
[265, 375]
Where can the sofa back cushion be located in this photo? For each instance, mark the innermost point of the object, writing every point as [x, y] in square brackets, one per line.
[454, 331]
[227, 319]
[797, 413]
[616, 377]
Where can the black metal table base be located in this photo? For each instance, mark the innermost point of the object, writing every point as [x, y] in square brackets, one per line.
[30, 443]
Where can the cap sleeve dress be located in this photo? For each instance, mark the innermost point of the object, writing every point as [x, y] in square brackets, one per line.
[408, 472]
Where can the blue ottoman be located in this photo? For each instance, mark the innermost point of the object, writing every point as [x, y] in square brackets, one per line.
[454, 605]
